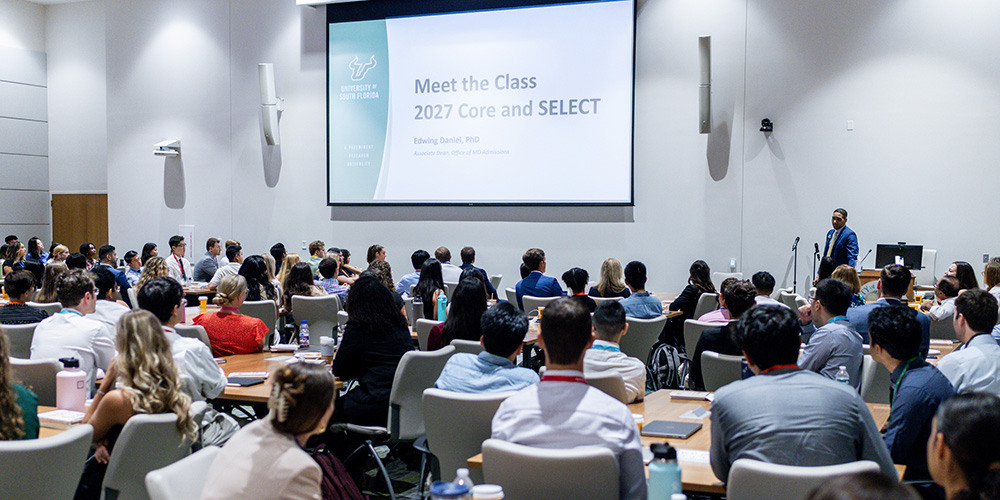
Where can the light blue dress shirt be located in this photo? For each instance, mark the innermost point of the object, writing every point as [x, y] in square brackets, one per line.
[483, 373]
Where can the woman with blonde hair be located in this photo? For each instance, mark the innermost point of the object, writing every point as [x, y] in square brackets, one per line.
[991, 279]
[849, 275]
[58, 254]
[156, 267]
[290, 261]
[47, 293]
[229, 331]
[612, 282]
[271, 265]
[18, 405]
[148, 382]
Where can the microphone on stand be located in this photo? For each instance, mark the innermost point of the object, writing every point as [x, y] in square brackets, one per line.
[816, 247]
[865, 257]
[795, 245]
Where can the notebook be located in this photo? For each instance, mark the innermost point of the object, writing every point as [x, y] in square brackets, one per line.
[243, 382]
[666, 429]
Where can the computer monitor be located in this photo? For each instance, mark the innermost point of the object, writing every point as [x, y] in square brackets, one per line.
[911, 255]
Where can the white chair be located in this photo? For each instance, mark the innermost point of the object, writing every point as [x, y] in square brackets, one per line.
[454, 444]
[423, 329]
[528, 473]
[147, 442]
[706, 303]
[133, 298]
[641, 335]
[19, 339]
[198, 411]
[790, 300]
[605, 299]
[320, 313]
[39, 375]
[49, 307]
[449, 289]
[467, 346]
[718, 278]
[875, 381]
[266, 311]
[533, 303]
[611, 383]
[512, 297]
[718, 370]
[342, 319]
[925, 276]
[754, 480]
[495, 280]
[184, 479]
[943, 329]
[47, 467]
[692, 332]
[196, 332]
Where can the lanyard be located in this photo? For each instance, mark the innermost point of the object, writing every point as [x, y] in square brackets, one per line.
[895, 388]
[180, 264]
[780, 367]
[563, 378]
[607, 347]
[837, 318]
[71, 311]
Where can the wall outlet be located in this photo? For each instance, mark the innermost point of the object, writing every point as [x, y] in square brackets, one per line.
[304, 245]
[732, 265]
[986, 258]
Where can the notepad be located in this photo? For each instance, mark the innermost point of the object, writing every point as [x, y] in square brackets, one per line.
[253, 375]
[60, 419]
[667, 429]
[692, 395]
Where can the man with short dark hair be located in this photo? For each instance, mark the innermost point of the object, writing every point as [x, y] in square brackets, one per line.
[739, 297]
[763, 282]
[234, 254]
[786, 415]
[834, 342]
[562, 411]
[722, 314]
[975, 366]
[20, 286]
[76, 261]
[536, 283]
[279, 254]
[90, 252]
[606, 355]
[108, 309]
[893, 282]
[493, 369]
[178, 267]
[449, 272]
[639, 304]
[918, 389]
[469, 262]
[841, 241]
[9, 239]
[108, 259]
[943, 306]
[328, 270]
[208, 264]
[417, 259]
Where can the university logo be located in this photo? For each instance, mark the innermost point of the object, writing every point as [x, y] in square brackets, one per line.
[359, 70]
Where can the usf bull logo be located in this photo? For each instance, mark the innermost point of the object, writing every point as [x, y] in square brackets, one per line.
[359, 70]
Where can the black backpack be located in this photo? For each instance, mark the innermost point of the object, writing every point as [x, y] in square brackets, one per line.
[664, 368]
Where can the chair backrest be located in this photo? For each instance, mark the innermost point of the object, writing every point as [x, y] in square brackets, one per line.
[342, 319]
[718, 370]
[753, 480]
[38, 375]
[533, 303]
[198, 411]
[423, 329]
[789, 299]
[449, 288]
[319, 312]
[467, 346]
[718, 278]
[605, 299]
[266, 311]
[495, 280]
[19, 339]
[526, 472]
[47, 467]
[610, 382]
[49, 307]
[454, 444]
[184, 479]
[692, 332]
[943, 329]
[132, 297]
[417, 370]
[706, 303]
[196, 332]
[147, 442]
[641, 335]
[512, 297]
[925, 276]
[874, 381]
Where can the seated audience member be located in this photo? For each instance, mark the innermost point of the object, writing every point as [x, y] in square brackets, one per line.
[13, 258]
[963, 272]
[290, 261]
[417, 259]
[77, 261]
[328, 270]
[464, 316]
[763, 282]
[278, 252]
[70, 334]
[375, 252]
[58, 254]
[133, 269]
[605, 355]
[612, 281]
[178, 267]
[234, 253]
[893, 282]
[468, 255]
[223, 260]
[108, 309]
[89, 251]
[147, 383]
[832, 340]
[229, 331]
[963, 453]
[739, 296]
[20, 286]
[108, 259]
[36, 251]
[429, 288]
[699, 282]
[47, 293]
[149, 250]
[347, 271]
[208, 264]
[918, 389]
[9, 238]
[317, 252]
[266, 459]
[299, 282]
[849, 275]
[524, 271]
[943, 306]
[991, 279]
[722, 314]
[156, 267]
[493, 369]
[863, 486]
[449, 272]
[639, 304]
[375, 338]
[821, 422]
[201, 376]
[576, 282]
[976, 365]
[259, 285]
[383, 271]
[536, 284]
[826, 267]
[269, 269]
[562, 411]
[18, 404]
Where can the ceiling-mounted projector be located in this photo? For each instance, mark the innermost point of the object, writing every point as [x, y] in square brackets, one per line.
[167, 148]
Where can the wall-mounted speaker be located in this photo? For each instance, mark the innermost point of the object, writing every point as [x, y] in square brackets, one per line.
[270, 104]
[705, 85]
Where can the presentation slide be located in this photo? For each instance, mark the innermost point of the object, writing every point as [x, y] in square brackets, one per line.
[530, 105]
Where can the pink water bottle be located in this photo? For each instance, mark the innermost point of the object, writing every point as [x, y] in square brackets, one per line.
[71, 386]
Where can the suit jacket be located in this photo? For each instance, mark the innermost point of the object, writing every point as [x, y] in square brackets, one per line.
[537, 284]
[858, 316]
[845, 249]
[489, 286]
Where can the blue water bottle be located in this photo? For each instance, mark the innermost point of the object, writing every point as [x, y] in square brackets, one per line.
[664, 472]
[303, 335]
[442, 307]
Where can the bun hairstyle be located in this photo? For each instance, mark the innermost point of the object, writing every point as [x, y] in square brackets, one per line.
[301, 394]
[230, 288]
[970, 426]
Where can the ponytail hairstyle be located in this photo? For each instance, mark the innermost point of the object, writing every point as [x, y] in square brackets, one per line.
[230, 288]
[11, 419]
[301, 394]
[701, 277]
[969, 423]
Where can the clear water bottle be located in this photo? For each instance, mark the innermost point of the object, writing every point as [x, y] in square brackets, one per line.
[462, 477]
[842, 376]
[664, 473]
[441, 490]
[303, 334]
[442, 307]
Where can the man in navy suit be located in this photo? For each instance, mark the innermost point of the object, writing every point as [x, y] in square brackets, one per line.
[536, 284]
[468, 261]
[894, 281]
[841, 242]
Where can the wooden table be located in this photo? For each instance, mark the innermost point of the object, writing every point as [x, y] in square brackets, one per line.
[696, 476]
[257, 362]
[199, 289]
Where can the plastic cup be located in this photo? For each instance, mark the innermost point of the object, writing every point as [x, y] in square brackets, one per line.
[540, 310]
[639, 420]
[202, 304]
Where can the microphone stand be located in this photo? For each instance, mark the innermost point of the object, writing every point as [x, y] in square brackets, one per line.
[795, 266]
[815, 260]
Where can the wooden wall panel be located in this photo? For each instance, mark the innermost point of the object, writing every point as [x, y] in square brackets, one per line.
[79, 218]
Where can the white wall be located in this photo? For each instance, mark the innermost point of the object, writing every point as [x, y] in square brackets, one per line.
[22, 25]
